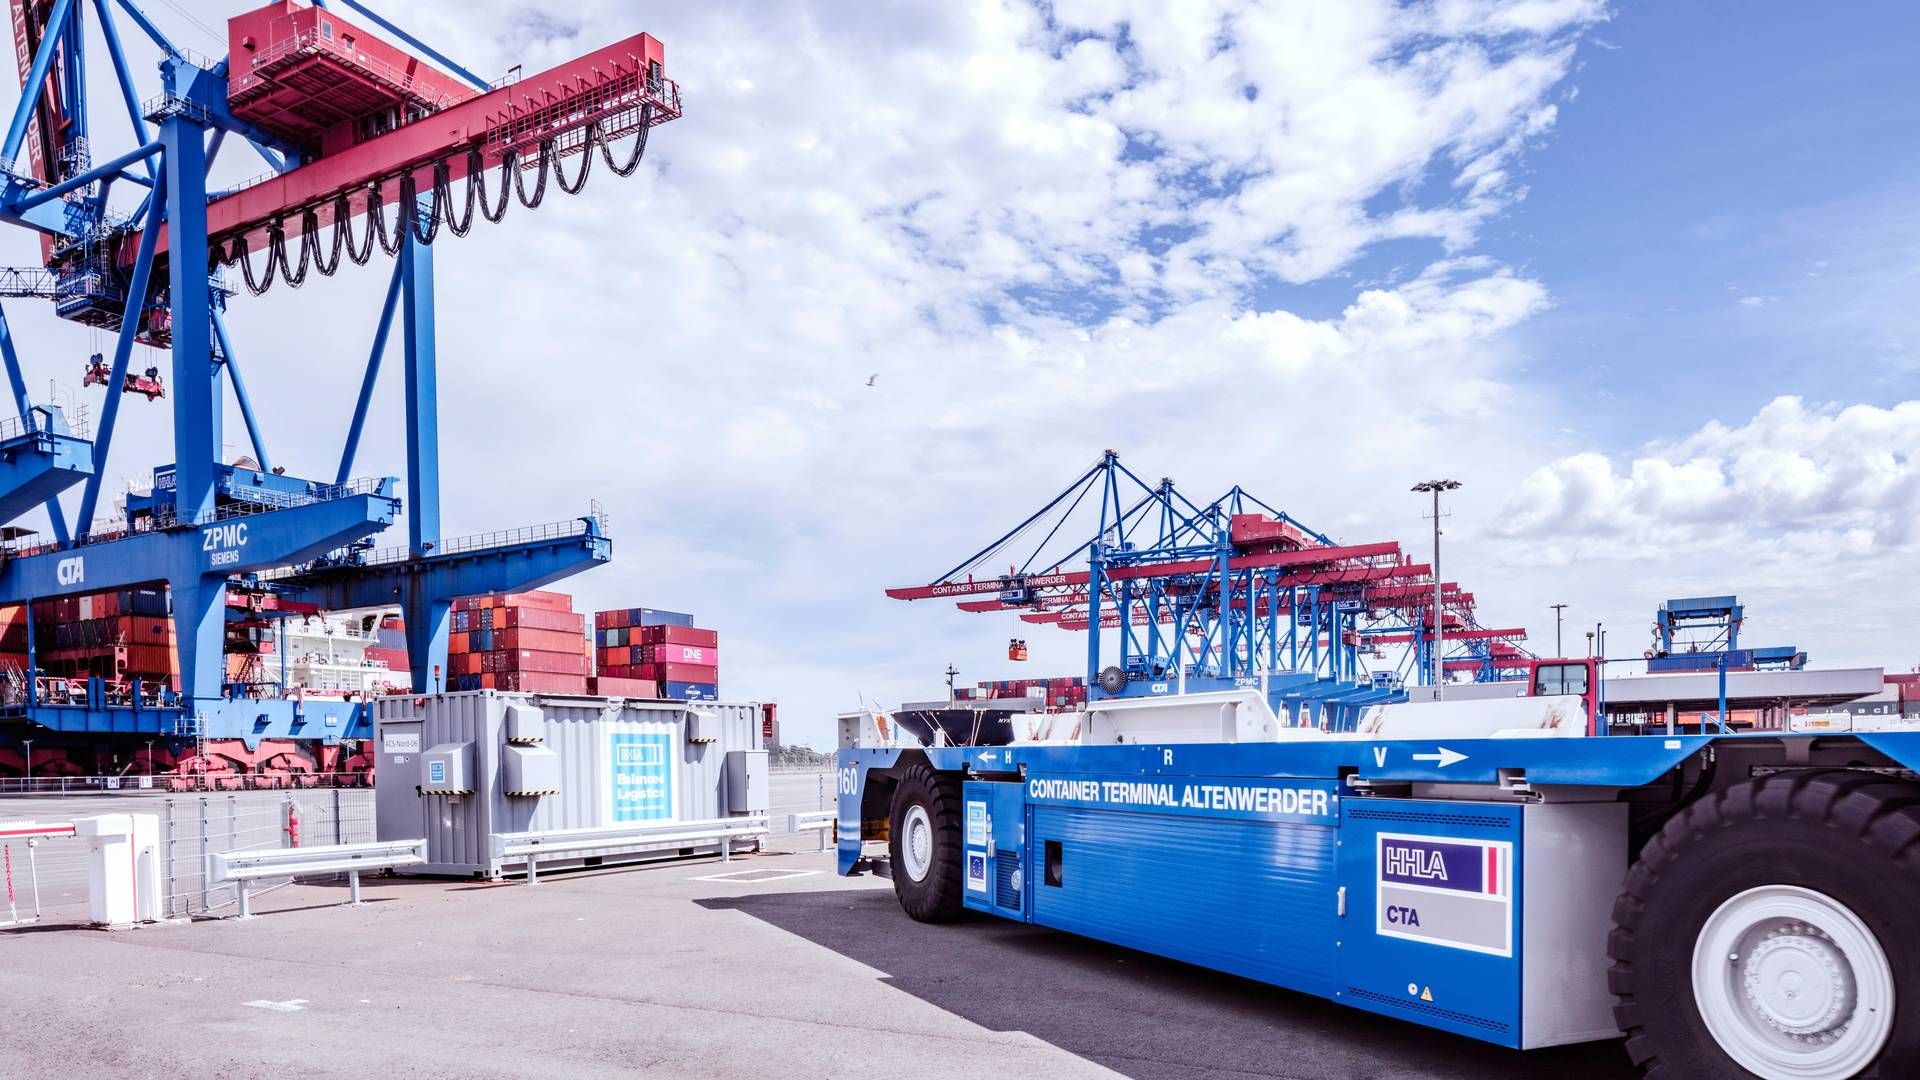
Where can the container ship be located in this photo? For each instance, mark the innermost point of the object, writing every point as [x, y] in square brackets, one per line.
[120, 646]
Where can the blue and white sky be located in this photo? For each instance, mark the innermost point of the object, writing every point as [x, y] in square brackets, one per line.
[1639, 274]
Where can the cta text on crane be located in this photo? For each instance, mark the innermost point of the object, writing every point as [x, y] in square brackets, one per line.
[1305, 801]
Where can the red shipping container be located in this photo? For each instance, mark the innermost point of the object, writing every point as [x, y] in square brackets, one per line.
[556, 663]
[676, 635]
[694, 673]
[540, 598]
[541, 682]
[543, 640]
[547, 601]
[607, 620]
[614, 686]
[150, 660]
[678, 654]
[542, 619]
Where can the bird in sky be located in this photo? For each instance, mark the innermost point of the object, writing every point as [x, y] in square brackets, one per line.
[872, 377]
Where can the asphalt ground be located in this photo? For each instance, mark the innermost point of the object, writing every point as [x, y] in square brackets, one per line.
[769, 966]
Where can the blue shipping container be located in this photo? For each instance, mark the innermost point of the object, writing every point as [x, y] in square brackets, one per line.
[646, 616]
[691, 691]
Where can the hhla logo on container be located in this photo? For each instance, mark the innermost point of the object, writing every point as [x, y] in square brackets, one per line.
[648, 753]
[640, 780]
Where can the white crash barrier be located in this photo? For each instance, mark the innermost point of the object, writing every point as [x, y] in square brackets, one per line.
[820, 821]
[719, 831]
[123, 864]
[243, 867]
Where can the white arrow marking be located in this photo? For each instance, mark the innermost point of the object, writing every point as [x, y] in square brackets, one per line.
[289, 1005]
[1445, 757]
[985, 757]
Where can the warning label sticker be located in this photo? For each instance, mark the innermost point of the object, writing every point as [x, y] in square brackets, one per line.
[1445, 891]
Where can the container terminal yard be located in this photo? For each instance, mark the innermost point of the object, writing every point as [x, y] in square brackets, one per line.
[284, 768]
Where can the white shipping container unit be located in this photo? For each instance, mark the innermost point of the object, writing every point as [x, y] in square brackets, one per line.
[461, 768]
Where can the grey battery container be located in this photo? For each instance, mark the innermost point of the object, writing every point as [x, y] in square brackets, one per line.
[510, 763]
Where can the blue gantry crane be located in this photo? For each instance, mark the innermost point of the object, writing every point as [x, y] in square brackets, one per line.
[1702, 633]
[1180, 596]
[377, 144]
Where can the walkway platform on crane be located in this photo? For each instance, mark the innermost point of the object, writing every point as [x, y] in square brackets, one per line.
[425, 585]
[39, 459]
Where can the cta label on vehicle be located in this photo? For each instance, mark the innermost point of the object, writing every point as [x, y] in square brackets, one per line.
[1302, 801]
[976, 824]
[1445, 891]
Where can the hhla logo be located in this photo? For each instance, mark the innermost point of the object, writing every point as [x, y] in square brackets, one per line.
[71, 571]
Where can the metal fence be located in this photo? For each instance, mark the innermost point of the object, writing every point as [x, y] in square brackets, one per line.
[192, 828]
[797, 791]
[215, 782]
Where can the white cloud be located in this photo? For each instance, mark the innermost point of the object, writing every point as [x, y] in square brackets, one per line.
[1048, 236]
[1806, 512]
[1829, 483]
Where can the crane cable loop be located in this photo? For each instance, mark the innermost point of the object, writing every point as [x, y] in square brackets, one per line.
[423, 222]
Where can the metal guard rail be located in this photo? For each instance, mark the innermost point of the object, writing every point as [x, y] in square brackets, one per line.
[242, 867]
[258, 503]
[820, 821]
[531, 846]
[476, 543]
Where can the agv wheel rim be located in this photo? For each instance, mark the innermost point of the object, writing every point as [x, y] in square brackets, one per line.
[1792, 985]
[916, 842]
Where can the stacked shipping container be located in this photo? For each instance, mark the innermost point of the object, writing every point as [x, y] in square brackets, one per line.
[117, 636]
[531, 641]
[679, 660]
[389, 642]
[1060, 693]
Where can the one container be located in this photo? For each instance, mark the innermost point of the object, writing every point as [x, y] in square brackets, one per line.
[704, 655]
[585, 762]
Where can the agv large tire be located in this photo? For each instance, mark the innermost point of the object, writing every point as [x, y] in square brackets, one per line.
[1769, 931]
[925, 843]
